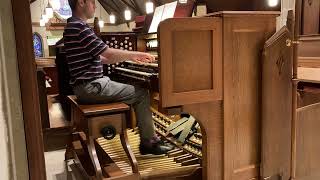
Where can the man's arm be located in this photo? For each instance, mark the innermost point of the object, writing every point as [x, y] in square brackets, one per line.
[111, 55]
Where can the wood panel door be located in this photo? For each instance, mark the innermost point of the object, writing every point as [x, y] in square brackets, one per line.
[310, 17]
[190, 61]
[276, 107]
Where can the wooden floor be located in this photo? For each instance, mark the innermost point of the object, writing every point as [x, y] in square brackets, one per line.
[57, 169]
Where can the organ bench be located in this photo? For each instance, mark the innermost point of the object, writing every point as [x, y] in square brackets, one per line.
[90, 122]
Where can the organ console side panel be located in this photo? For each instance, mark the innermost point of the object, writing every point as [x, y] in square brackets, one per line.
[191, 75]
[276, 106]
[190, 61]
[210, 116]
[226, 50]
[242, 49]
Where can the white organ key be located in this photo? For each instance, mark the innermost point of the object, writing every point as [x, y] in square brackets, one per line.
[134, 72]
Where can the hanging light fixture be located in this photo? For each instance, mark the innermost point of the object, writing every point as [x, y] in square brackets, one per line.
[149, 7]
[49, 11]
[112, 18]
[42, 23]
[101, 22]
[183, 1]
[45, 18]
[273, 3]
[127, 14]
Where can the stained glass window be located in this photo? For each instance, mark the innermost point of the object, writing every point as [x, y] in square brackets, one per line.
[37, 45]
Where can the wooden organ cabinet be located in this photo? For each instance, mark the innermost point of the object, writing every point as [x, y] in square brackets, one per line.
[233, 74]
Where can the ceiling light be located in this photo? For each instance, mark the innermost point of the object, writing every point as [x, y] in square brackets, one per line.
[45, 18]
[149, 7]
[127, 14]
[112, 19]
[49, 11]
[101, 23]
[183, 1]
[42, 23]
[273, 3]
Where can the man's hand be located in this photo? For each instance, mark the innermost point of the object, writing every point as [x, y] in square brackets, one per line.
[141, 57]
[111, 55]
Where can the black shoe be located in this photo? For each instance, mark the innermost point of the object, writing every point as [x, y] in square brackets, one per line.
[157, 148]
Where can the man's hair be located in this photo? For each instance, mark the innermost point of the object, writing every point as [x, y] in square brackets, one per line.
[73, 4]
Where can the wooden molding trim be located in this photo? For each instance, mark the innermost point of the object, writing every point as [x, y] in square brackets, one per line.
[29, 90]
[312, 62]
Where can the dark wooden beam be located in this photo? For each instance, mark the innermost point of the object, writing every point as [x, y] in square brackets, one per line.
[114, 11]
[134, 8]
[138, 8]
[156, 3]
[116, 5]
[132, 2]
[106, 9]
[31, 1]
[29, 89]
[129, 5]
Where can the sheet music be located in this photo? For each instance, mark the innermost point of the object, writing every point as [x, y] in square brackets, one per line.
[161, 13]
[169, 10]
[156, 19]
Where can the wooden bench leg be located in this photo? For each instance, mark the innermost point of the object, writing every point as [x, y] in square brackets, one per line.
[94, 157]
[69, 154]
[125, 143]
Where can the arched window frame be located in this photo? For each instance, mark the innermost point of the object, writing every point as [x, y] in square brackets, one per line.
[41, 41]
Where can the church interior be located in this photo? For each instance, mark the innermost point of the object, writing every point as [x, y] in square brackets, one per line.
[235, 90]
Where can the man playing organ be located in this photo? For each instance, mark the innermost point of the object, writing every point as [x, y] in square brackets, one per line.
[86, 53]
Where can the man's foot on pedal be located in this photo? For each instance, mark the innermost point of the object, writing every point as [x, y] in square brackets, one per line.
[154, 146]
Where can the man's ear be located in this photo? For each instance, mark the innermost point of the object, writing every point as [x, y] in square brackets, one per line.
[81, 3]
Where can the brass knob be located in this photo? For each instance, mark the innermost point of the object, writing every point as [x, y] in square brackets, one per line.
[289, 42]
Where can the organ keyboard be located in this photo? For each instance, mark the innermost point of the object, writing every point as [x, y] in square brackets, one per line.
[145, 74]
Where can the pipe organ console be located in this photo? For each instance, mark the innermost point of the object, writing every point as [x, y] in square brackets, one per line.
[213, 69]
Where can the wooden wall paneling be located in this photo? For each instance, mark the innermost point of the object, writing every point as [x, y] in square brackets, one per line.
[42, 90]
[310, 16]
[190, 72]
[29, 92]
[309, 46]
[52, 73]
[308, 146]
[242, 49]
[276, 106]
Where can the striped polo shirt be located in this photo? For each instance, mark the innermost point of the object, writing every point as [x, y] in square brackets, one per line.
[82, 48]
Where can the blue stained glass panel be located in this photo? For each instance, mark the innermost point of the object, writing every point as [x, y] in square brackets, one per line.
[37, 45]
